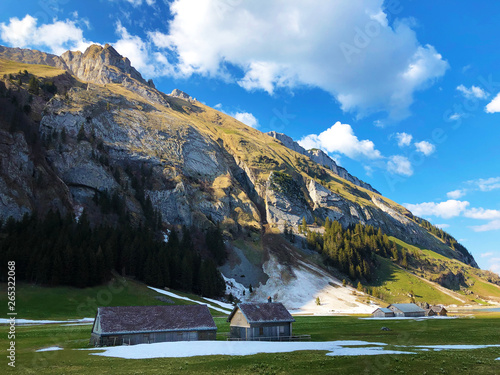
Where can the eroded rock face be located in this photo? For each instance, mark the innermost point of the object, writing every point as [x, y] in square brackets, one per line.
[284, 208]
[321, 158]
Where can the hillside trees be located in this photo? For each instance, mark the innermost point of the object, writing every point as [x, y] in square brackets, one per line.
[59, 250]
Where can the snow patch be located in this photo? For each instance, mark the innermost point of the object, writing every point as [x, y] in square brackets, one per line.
[49, 349]
[204, 348]
[220, 303]
[417, 318]
[170, 294]
[297, 290]
[456, 347]
[235, 288]
[78, 211]
[166, 235]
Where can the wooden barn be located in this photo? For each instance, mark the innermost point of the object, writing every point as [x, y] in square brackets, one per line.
[132, 325]
[383, 312]
[439, 310]
[260, 321]
[406, 310]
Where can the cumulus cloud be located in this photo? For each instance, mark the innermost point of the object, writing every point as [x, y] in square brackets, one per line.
[425, 147]
[399, 164]
[57, 36]
[246, 118]
[482, 214]
[472, 93]
[456, 194]
[340, 138]
[442, 226]
[347, 48]
[135, 49]
[487, 184]
[494, 105]
[404, 139]
[492, 225]
[446, 210]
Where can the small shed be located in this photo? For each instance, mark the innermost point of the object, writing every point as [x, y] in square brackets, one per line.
[429, 312]
[439, 310]
[149, 324]
[260, 321]
[383, 312]
[406, 310]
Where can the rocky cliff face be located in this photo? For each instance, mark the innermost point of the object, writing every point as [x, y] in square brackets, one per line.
[112, 132]
[321, 158]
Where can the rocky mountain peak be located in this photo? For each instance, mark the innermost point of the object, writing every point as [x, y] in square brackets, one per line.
[101, 65]
[180, 94]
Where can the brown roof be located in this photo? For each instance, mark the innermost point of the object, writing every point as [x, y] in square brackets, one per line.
[437, 308]
[128, 319]
[273, 312]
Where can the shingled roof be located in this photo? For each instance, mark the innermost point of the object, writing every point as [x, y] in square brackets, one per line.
[273, 312]
[135, 319]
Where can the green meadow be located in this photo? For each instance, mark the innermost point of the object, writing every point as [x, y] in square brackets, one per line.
[65, 303]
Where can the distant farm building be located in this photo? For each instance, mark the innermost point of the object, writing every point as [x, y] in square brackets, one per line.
[383, 312]
[439, 311]
[406, 310]
[149, 324]
[429, 312]
[260, 321]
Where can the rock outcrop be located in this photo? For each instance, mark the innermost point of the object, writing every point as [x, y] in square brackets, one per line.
[321, 158]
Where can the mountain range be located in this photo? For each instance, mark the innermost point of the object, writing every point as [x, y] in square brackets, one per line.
[82, 124]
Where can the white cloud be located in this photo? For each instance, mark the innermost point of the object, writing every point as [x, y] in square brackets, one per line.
[404, 139]
[340, 138]
[446, 210]
[398, 164]
[487, 255]
[138, 51]
[456, 194]
[19, 33]
[137, 3]
[442, 226]
[473, 92]
[286, 44]
[494, 105]
[57, 36]
[425, 147]
[246, 118]
[482, 214]
[487, 184]
[492, 225]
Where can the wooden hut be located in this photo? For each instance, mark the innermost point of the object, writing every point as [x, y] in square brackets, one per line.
[149, 324]
[260, 321]
[439, 310]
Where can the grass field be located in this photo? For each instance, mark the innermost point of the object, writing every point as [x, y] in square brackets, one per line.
[481, 330]
[63, 303]
[35, 302]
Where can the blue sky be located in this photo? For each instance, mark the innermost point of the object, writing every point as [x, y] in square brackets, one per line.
[401, 93]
